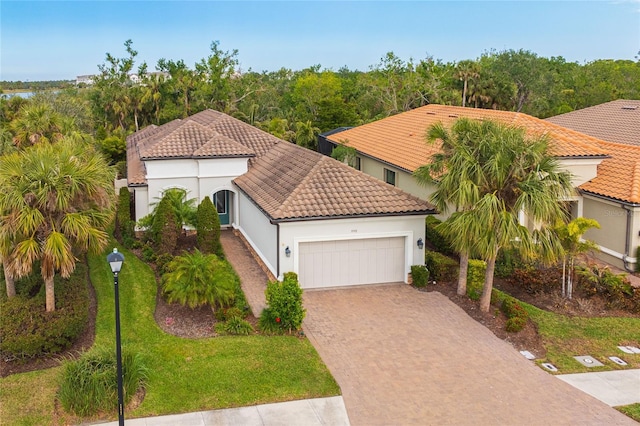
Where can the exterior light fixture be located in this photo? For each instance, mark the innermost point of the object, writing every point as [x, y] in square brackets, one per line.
[116, 260]
[420, 243]
[287, 251]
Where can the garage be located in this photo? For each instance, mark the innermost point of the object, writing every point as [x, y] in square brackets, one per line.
[351, 262]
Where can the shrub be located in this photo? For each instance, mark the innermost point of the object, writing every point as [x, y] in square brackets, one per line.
[441, 267]
[228, 313]
[165, 228]
[475, 278]
[433, 234]
[535, 279]
[208, 228]
[268, 322]
[162, 262]
[89, 384]
[148, 253]
[507, 262]
[284, 301]
[638, 259]
[517, 316]
[419, 275]
[124, 224]
[616, 288]
[27, 330]
[234, 326]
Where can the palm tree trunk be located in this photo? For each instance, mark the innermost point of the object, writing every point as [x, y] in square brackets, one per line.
[49, 294]
[570, 280]
[564, 275]
[8, 279]
[462, 277]
[464, 93]
[485, 299]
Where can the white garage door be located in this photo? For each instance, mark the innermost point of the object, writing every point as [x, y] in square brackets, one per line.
[351, 262]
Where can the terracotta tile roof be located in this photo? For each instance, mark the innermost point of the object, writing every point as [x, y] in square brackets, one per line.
[400, 139]
[616, 121]
[619, 175]
[207, 134]
[292, 183]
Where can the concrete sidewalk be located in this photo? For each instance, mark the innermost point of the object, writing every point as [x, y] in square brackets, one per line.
[308, 412]
[615, 388]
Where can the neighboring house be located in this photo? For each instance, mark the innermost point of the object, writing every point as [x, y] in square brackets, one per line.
[299, 210]
[608, 184]
[613, 197]
[85, 79]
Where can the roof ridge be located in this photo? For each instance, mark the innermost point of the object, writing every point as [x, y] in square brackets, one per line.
[634, 194]
[301, 184]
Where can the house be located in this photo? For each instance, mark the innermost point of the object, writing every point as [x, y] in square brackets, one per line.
[606, 175]
[299, 210]
[613, 196]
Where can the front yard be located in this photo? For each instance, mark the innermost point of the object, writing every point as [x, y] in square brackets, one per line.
[184, 374]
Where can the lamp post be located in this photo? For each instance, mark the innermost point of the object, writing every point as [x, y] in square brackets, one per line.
[115, 260]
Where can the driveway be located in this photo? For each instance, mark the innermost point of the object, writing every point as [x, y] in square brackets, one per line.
[404, 357]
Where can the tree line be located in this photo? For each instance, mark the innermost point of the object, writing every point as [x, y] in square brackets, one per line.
[296, 105]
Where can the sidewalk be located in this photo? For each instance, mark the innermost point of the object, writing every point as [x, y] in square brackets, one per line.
[308, 412]
[615, 388]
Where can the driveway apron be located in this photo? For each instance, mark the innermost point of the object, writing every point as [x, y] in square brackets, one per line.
[405, 357]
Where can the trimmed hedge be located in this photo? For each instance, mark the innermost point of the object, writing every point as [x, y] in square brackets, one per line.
[284, 312]
[27, 330]
[208, 228]
[475, 278]
[439, 241]
[441, 267]
[124, 225]
[517, 316]
[419, 276]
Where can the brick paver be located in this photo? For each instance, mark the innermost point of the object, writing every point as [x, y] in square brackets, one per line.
[404, 357]
[252, 277]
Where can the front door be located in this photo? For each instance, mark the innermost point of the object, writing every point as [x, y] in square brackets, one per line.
[221, 201]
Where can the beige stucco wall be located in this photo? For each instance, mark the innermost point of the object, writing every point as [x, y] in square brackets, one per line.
[612, 234]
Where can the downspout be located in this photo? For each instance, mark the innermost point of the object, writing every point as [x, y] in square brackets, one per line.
[277, 250]
[627, 240]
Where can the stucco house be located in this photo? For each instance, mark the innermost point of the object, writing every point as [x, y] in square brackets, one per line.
[606, 175]
[299, 210]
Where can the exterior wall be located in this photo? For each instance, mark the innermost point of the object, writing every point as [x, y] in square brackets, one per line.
[612, 235]
[141, 198]
[583, 170]
[294, 233]
[258, 231]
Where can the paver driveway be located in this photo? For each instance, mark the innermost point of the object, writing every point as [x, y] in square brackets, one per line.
[404, 357]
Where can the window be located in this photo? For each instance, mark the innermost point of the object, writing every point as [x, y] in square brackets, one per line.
[390, 177]
[220, 201]
[358, 166]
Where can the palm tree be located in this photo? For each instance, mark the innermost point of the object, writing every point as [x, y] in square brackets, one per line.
[571, 238]
[503, 172]
[306, 134]
[466, 70]
[55, 203]
[459, 188]
[36, 123]
[197, 279]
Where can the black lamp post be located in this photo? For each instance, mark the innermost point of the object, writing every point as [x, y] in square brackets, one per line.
[115, 260]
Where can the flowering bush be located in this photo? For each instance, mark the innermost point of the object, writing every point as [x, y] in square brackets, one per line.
[516, 314]
[284, 300]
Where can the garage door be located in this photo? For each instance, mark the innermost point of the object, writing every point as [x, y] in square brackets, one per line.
[351, 262]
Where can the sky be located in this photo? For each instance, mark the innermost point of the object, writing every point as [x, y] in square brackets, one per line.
[54, 40]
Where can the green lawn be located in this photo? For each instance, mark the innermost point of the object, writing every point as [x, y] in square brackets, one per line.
[632, 411]
[565, 337]
[185, 375]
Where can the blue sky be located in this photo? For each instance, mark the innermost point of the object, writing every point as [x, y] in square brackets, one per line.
[50, 40]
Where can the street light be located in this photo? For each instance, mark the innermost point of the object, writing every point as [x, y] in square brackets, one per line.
[115, 260]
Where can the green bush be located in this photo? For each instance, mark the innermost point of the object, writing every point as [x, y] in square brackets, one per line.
[89, 384]
[615, 288]
[475, 278]
[228, 313]
[208, 228]
[284, 301]
[419, 276]
[437, 239]
[234, 326]
[441, 267]
[27, 330]
[638, 259]
[267, 322]
[124, 225]
[507, 262]
[165, 228]
[517, 316]
[536, 279]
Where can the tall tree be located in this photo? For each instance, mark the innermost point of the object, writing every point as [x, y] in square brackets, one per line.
[466, 70]
[56, 202]
[510, 173]
[36, 123]
[573, 245]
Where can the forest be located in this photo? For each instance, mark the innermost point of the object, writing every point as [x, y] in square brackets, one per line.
[296, 105]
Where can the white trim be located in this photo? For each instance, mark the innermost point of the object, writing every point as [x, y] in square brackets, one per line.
[617, 255]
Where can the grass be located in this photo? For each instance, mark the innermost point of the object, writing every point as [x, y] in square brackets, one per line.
[184, 374]
[565, 337]
[632, 411]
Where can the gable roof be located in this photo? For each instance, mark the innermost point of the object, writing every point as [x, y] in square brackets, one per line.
[291, 183]
[615, 121]
[207, 134]
[400, 139]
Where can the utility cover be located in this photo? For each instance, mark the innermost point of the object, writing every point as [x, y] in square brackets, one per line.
[549, 366]
[528, 355]
[629, 349]
[617, 360]
[588, 361]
